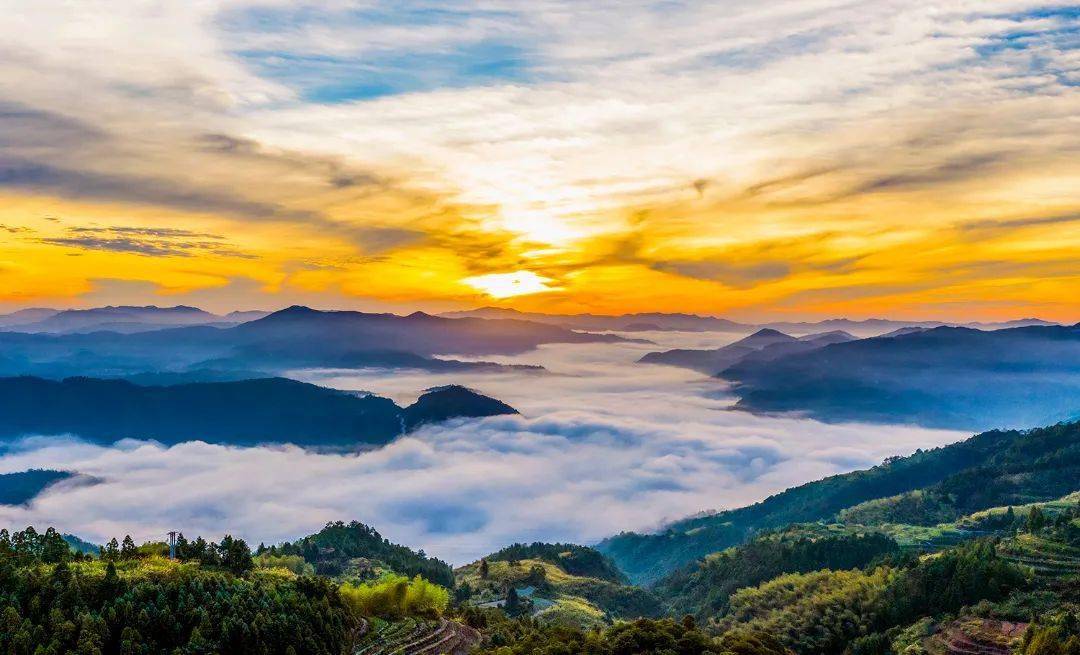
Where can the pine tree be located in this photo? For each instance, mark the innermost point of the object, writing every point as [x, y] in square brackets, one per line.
[127, 548]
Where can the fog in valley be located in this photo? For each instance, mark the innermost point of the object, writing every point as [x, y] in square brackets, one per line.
[603, 444]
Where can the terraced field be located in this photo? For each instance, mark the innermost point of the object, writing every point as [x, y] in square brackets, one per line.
[923, 539]
[971, 636]
[1049, 559]
[417, 637]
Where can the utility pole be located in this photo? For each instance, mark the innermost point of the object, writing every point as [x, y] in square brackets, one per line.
[172, 544]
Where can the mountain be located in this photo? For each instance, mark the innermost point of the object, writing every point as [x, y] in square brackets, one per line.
[957, 378]
[989, 469]
[25, 316]
[764, 345]
[22, 486]
[878, 326]
[124, 319]
[659, 321]
[646, 321]
[80, 545]
[452, 401]
[297, 337]
[343, 332]
[774, 351]
[336, 549]
[242, 413]
[245, 316]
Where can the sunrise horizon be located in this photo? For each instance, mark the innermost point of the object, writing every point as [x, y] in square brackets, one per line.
[909, 162]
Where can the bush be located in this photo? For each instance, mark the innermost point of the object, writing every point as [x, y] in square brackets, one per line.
[395, 596]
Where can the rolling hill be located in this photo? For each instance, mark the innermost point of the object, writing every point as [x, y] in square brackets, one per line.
[239, 413]
[357, 550]
[560, 584]
[989, 469]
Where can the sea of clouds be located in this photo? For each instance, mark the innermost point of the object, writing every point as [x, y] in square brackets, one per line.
[603, 445]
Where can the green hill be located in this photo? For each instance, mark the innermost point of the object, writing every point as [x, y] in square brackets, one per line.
[563, 584]
[358, 550]
[989, 469]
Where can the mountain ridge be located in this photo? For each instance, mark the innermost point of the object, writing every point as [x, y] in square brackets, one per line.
[247, 412]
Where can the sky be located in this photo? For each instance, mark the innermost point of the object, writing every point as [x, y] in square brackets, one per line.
[603, 445]
[756, 159]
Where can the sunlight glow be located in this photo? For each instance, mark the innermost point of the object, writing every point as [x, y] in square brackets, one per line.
[506, 285]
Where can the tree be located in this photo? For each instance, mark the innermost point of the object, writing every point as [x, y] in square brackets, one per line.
[512, 606]
[235, 555]
[111, 552]
[484, 569]
[127, 548]
[110, 585]
[182, 547]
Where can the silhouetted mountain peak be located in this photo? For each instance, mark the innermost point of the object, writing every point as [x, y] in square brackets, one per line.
[768, 332]
[764, 337]
[449, 401]
[295, 310]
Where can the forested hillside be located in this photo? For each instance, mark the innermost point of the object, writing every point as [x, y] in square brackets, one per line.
[56, 601]
[360, 551]
[989, 469]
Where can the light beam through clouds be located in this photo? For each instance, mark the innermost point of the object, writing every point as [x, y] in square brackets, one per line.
[603, 445]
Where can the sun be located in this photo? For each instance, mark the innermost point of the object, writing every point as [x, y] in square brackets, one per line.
[506, 285]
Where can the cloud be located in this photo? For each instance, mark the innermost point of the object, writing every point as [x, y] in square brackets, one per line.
[537, 131]
[604, 445]
[731, 274]
[154, 242]
[987, 227]
[35, 177]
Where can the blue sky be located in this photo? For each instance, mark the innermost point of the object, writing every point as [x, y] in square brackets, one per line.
[461, 59]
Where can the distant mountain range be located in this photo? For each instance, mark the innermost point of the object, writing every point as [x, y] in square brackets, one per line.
[124, 319]
[129, 319]
[764, 345]
[237, 413]
[293, 338]
[622, 322]
[959, 378]
[946, 377]
[660, 321]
